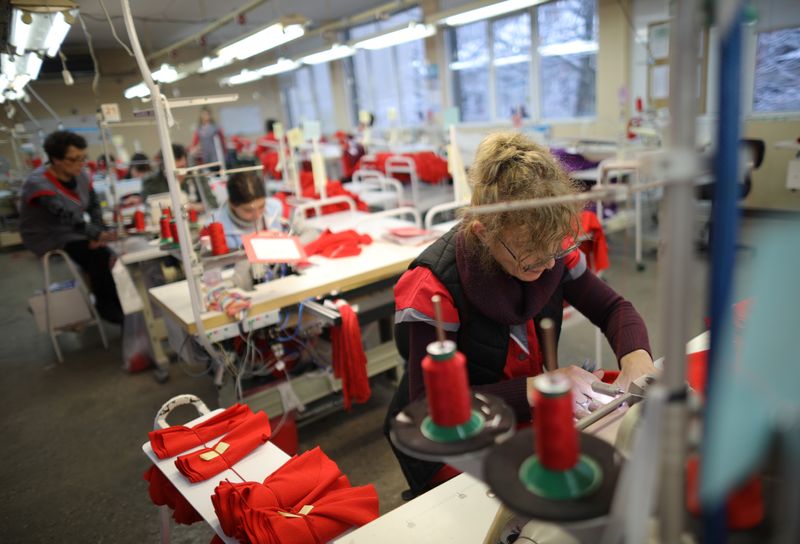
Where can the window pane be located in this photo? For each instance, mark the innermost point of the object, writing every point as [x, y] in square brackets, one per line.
[411, 65]
[777, 77]
[324, 97]
[512, 45]
[470, 68]
[568, 51]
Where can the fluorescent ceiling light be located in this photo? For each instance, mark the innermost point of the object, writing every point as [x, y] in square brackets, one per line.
[44, 33]
[414, 31]
[33, 65]
[20, 81]
[58, 31]
[336, 52]
[245, 76]
[139, 90]
[167, 74]
[212, 63]
[8, 67]
[467, 64]
[574, 47]
[263, 40]
[487, 12]
[283, 65]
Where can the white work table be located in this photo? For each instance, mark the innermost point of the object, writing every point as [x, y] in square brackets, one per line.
[377, 261]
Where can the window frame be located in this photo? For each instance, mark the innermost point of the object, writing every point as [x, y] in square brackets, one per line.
[749, 76]
[534, 70]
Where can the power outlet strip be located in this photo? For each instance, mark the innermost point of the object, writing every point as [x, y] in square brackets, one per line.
[251, 323]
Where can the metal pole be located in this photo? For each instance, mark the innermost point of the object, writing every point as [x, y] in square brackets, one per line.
[675, 264]
[111, 175]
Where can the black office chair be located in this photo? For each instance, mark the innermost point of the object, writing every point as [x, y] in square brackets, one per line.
[754, 150]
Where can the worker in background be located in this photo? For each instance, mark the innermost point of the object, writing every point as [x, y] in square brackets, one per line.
[60, 210]
[196, 186]
[203, 145]
[138, 166]
[267, 148]
[498, 275]
[247, 209]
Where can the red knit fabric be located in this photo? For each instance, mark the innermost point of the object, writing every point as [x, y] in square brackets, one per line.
[349, 359]
[179, 438]
[333, 188]
[596, 249]
[250, 511]
[341, 244]
[244, 438]
[431, 168]
[163, 493]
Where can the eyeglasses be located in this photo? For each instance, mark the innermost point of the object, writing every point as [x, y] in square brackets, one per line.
[541, 263]
[73, 160]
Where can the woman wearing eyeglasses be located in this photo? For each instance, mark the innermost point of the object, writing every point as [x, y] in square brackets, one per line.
[498, 275]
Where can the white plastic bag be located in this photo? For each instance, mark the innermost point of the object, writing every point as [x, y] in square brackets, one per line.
[129, 297]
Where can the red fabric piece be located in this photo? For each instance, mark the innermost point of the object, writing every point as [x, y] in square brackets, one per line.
[349, 359]
[431, 168]
[596, 249]
[250, 511]
[333, 188]
[745, 505]
[179, 438]
[244, 438]
[163, 493]
[335, 245]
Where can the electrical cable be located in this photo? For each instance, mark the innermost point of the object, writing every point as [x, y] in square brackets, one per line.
[114, 30]
[96, 77]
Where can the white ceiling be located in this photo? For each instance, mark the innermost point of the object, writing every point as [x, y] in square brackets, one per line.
[160, 23]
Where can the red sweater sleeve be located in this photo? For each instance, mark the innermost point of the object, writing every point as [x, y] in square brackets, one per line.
[420, 334]
[607, 309]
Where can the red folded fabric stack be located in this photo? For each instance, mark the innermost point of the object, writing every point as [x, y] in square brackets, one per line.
[333, 188]
[163, 493]
[341, 244]
[202, 464]
[308, 499]
[171, 441]
[431, 168]
[349, 359]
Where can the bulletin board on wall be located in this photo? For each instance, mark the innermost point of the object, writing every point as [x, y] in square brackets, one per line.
[658, 35]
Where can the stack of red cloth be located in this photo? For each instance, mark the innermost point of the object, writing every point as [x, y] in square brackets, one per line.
[349, 359]
[431, 168]
[308, 499]
[346, 243]
[333, 188]
[241, 431]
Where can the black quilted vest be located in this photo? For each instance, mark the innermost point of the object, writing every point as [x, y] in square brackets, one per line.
[483, 341]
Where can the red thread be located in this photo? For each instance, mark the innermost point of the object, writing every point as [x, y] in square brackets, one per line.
[138, 220]
[447, 386]
[556, 438]
[218, 244]
[168, 212]
[164, 223]
[192, 215]
[173, 230]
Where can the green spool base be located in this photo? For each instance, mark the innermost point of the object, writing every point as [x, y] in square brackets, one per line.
[581, 480]
[438, 433]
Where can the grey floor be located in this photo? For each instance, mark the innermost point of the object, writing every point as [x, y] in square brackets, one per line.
[71, 434]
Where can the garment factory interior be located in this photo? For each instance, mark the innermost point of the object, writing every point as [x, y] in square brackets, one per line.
[400, 271]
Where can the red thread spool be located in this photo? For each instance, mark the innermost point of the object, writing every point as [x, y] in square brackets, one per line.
[445, 373]
[173, 229]
[217, 234]
[556, 438]
[164, 224]
[192, 215]
[168, 212]
[138, 220]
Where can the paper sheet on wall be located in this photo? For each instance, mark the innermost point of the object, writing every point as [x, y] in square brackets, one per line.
[659, 82]
[318, 170]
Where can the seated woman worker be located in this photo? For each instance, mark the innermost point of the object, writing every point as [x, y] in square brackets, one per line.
[497, 276]
[248, 208]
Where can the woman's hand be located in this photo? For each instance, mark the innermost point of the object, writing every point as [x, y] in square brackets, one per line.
[585, 399]
[634, 365]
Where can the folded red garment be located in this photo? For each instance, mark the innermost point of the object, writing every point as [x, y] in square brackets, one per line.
[179, 438]
[308, 499]
[349, 359]
[163, 493]
[341, 244]
[202, 464]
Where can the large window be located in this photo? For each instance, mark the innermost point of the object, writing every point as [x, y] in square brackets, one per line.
[307, 95]
[492, 63]
[777, 76]
[390, 79]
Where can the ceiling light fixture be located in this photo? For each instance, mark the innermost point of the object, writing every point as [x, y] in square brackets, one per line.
[283, 65]
[336, 52]
[487, 12]
[263, 40]
[414, 31]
